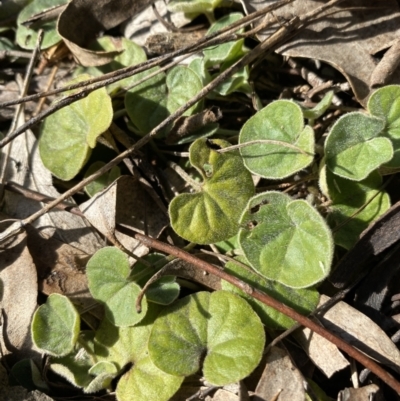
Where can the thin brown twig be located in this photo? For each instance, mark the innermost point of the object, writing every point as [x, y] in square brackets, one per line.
[275, 38]
[218, 37]
[273, 303]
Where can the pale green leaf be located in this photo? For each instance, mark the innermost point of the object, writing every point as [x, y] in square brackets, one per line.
[220, 329]
[145, 382]
[354, 147]
[354, 206]
[385, 104]
[286, 240]
[68, 135]
[55, 326]
[108, 272]
[27, 36]
[212, 214]
[284, 145]
[227, 51]
[303, 300]
[149, 103]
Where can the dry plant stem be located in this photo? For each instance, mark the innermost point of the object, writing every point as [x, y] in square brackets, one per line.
[280, 307]
[223, 35]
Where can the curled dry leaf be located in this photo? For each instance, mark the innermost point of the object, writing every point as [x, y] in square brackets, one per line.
[83, 20]
[361, 332]
[346, 36]
[19, 290]
[280, 379]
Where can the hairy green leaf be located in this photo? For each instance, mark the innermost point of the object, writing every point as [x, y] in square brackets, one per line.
[220, 328]
[354, 147]
[149, 103]
[286, 240]
[27, 35]
[354, 205]
[108, 272]
[68, 135]
[385, 104]
[55, 326]
[212, 214]
[284, 146]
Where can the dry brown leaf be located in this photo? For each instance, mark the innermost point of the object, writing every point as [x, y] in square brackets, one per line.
[361, 332]
[61, 270]
[83, 20]
[325, 355]
[347, 39]
[19, 288]
[280, 378]
[24, 166]
[125, 202]
[358, 394]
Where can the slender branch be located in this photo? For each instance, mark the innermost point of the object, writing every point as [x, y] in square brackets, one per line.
[273, 303]
[224, 34]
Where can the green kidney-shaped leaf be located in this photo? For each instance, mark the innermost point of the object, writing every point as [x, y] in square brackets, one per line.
[107, 272]
[353, 148]
[303, 300]
[385, 103]
[27, 35]
[288, 147]
[286, 240]
[55, 326]
[145, 382]
[149, 103]
[219, 328]
[68, 135]
[227, 51]
[212, 214]
[354, 205]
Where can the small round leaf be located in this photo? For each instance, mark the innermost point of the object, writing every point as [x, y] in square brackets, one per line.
[107, 272]
[219, 328]
[27, 35]
[385, 103]
[288, 147]
[55, 326]
[68, 135]
[354, 205]
[286, 240]
[212, 214]
[150, 102]
[145, 382]
[353, 148]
